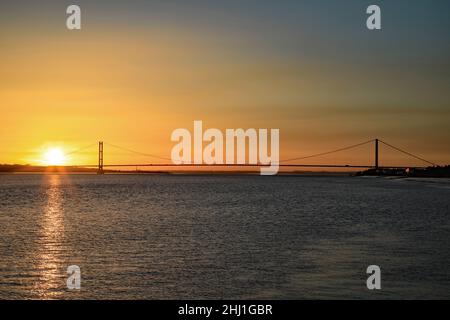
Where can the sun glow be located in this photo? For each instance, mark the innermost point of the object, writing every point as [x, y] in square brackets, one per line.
[54, 157]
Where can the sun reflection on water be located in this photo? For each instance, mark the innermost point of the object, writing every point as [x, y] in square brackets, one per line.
[50, 250]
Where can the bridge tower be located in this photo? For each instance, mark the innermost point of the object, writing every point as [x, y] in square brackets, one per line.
[376, 154]
[100, 157]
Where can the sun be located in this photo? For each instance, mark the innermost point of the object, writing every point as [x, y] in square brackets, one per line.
[54, 157]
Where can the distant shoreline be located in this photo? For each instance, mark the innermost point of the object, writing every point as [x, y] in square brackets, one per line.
[182, 173]
[30, 169]
[431, 172]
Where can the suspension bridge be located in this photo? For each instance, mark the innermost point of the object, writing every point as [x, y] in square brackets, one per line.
[101, 165]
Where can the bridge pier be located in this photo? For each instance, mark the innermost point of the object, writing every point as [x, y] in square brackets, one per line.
[376, 154]
[100, 158]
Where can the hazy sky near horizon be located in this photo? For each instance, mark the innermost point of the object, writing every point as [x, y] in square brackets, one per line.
[140, 69]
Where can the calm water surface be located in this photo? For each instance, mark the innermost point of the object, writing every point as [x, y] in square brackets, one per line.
[160, 237]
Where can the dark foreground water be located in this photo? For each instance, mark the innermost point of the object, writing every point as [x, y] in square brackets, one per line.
[158, 237]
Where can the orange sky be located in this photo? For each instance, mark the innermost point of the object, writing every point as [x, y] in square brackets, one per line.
[132, 85]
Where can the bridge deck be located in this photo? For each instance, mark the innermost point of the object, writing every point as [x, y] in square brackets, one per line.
[244, 165]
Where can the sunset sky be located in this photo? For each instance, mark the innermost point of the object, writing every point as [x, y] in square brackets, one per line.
[137, 70]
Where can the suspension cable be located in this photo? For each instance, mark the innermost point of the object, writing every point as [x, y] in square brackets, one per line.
[409, 154]
[80, 149]
[137, 152]
[328, 152]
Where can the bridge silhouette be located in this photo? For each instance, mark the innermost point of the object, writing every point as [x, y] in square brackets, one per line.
[281, 163]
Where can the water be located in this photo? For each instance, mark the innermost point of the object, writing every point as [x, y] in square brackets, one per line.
[184, 237]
